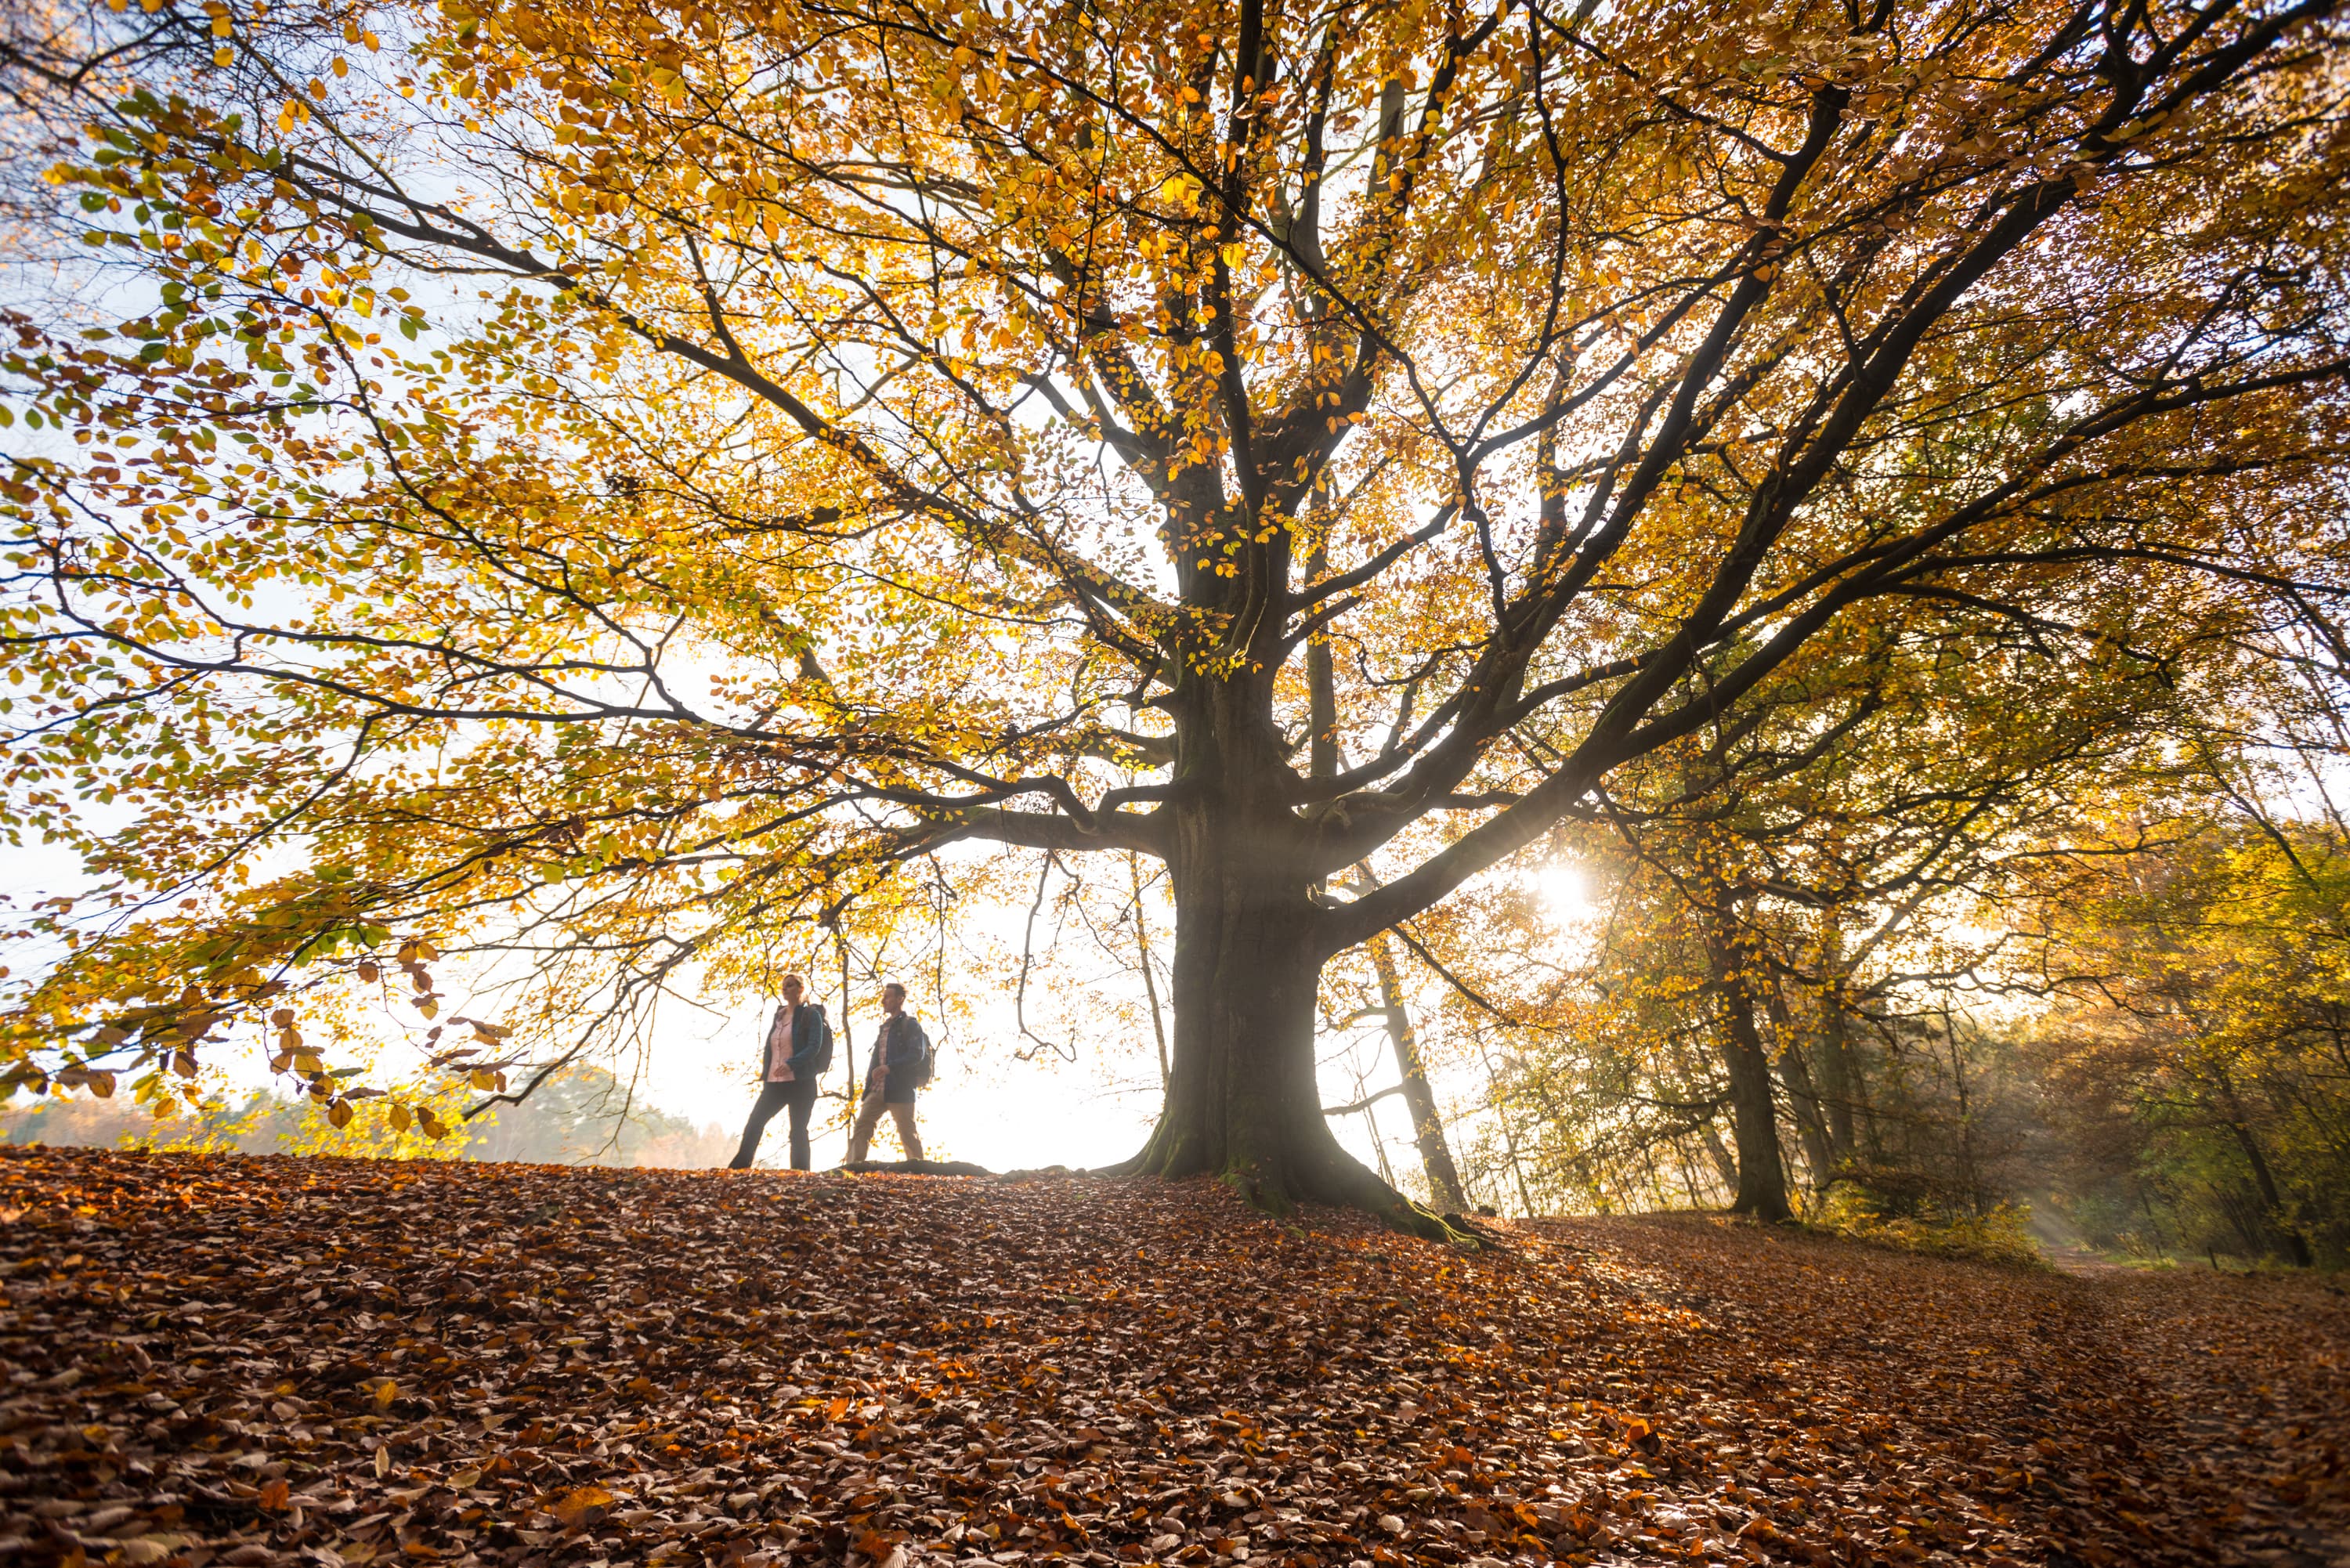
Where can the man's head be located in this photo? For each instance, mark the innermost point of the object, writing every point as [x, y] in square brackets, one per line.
[893, 997]
[792, 988]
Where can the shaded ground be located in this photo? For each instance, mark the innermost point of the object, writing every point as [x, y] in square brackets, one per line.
[252, 1362]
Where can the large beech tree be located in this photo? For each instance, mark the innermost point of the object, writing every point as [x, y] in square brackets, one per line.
[605, 480]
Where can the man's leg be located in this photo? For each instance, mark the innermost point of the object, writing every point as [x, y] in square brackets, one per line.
[770, 1101]
[906, 1135]
[860, 1137]
[803, 1106]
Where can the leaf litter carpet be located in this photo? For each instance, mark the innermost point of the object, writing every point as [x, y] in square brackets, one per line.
[325, 1364]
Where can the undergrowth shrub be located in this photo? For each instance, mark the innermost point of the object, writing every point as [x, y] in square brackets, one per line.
[2000, 1234]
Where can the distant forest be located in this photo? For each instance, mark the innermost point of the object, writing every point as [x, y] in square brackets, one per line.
[582, 1117]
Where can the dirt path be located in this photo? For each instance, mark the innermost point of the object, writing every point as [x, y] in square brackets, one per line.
[2161, 1401]
[2254, 1375]
[2244, 1338]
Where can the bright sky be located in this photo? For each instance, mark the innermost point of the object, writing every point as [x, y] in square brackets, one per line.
[990, 1106]
[986, 1105]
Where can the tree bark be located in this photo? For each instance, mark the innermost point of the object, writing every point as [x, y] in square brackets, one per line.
[2296, 1244]
[1795, 1074]
[1426, 1126]
[1754, 1115]
[1836, 1079]
[1241, 1100]
[1242, 1104]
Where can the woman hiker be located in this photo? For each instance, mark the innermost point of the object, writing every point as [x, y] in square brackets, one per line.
[798, 1049]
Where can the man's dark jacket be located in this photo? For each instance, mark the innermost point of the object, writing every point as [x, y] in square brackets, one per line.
[903, 1042]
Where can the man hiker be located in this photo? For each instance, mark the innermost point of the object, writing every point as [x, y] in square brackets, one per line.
[901, 1064]
[798, 1049]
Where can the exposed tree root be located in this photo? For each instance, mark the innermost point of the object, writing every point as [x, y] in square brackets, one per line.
[1329, 1177]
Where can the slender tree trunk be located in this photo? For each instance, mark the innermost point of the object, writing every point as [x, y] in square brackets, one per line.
[1836, 1079]
[2296, 1244]
[1754, 1117]
[1509, 1132]
[1378, 1145]
[1688, 1164]
[1795, 1072]
[1692, 1087]
[1150, 980]
[1426, 1126]
[1719, 1152]
[1966, 1112]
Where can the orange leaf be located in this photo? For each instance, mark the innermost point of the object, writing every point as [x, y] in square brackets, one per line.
[575, 1506]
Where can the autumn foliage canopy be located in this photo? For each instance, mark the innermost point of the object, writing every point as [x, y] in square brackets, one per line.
[596, 486]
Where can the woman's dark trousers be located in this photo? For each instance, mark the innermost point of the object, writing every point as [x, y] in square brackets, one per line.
[800, 1095]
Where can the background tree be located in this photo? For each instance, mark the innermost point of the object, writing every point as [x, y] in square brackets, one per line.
[2208, 1031]
[834, 434]
[1787, 883]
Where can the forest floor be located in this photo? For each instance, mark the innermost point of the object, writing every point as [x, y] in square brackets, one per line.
[319, 1364]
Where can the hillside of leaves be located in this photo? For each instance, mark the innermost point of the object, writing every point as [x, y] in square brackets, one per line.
[217, 1360]
[582, 1116]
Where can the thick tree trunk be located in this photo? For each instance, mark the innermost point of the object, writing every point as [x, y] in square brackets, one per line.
[1242, 1104]
[1242, 1095]
[1761, 1173]
[1754, 1115]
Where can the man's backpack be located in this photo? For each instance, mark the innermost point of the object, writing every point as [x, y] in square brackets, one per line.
[927, 1068]
[922, 1066]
